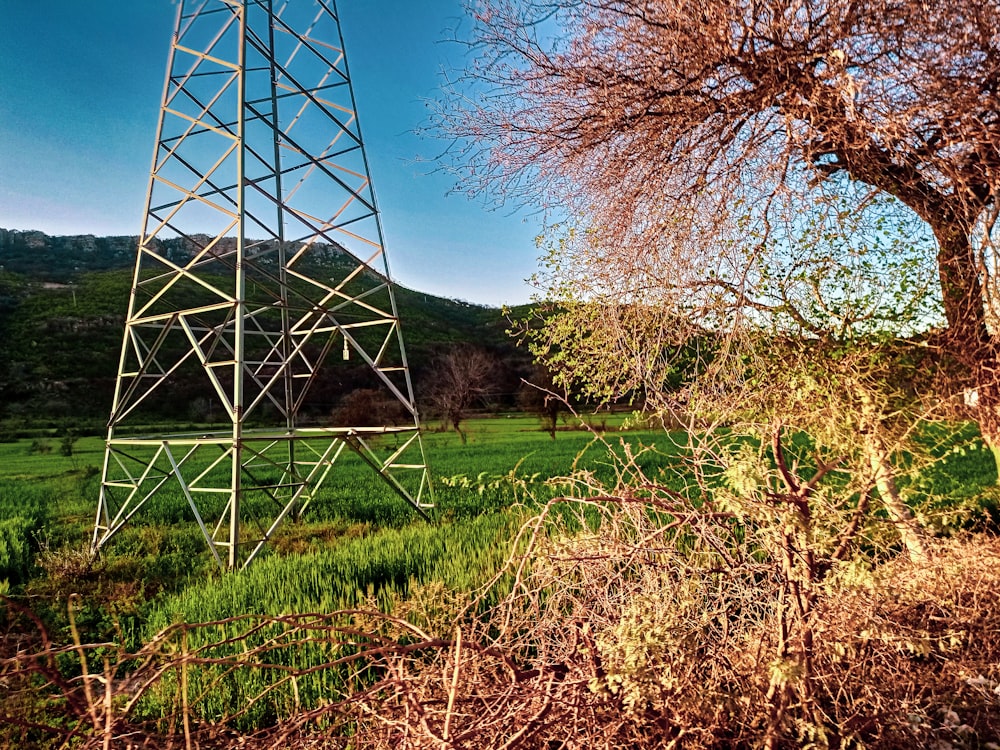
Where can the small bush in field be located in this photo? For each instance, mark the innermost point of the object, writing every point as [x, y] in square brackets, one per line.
[67, 442]
[39, 447]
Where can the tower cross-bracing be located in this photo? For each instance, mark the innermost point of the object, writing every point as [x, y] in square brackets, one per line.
[260, 273]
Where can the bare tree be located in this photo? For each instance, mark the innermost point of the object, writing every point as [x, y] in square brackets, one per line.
[460, 378]
[368, 407]
[540, 396]
[662, 122]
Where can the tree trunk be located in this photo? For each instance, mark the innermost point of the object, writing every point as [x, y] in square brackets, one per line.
[899, 513]
[968, 338]
[987, 405]
[456, 422]
[884, 477]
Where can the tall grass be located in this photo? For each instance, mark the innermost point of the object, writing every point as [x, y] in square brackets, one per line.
[375, 571]
[350, 574]
[24, 508]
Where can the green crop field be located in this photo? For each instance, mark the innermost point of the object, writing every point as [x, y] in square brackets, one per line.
[47, 503]
[358, 545]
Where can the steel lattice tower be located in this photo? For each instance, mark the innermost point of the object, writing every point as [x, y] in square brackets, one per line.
[260, 267]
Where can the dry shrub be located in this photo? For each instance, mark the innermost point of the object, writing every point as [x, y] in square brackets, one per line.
[911, 653]
[620, 640]
[630, 621]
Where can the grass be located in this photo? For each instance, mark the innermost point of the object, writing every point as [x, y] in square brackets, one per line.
[19, 462]
[358, 544]
[505, 461]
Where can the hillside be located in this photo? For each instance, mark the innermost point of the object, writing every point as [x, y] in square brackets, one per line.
[62, 307]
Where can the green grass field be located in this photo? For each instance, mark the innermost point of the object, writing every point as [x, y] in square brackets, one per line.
[48, 500]
[359, 544]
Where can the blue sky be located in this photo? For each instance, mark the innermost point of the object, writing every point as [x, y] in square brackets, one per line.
[80, 87]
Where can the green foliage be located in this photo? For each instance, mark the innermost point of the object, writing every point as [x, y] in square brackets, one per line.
[24, 509]
[15, 548]
[66, 443]
[39, 446]
[843, 264]
[640, 651]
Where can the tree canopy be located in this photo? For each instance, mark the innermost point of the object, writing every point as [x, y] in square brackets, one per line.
[663, 125]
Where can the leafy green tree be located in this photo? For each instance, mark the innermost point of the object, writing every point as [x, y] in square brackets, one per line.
[66, 443]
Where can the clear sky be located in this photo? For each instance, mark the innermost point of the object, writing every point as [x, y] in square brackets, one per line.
[80, 87]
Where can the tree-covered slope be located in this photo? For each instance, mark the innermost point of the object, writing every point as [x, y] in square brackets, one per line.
[62, 307]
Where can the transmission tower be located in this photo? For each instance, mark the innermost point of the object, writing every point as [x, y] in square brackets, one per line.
[260, 281]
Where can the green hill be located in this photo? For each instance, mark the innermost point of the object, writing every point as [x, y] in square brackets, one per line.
[62, 308]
